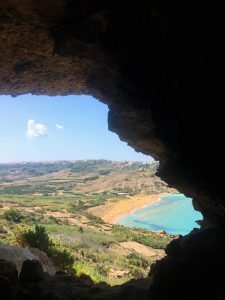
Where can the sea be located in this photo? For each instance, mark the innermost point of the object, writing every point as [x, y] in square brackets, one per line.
[173, 213]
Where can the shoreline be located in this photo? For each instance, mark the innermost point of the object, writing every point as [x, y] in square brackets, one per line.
[112, 211]
[135, 209]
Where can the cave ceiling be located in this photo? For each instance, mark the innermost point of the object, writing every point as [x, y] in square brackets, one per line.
[159, 67]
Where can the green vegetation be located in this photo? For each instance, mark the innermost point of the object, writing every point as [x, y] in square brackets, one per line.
[37, 237]
[91, 249]
[86, 250]
[45, 179]
[90, 178]
[42, 208]
[141, 236]
[13, 215]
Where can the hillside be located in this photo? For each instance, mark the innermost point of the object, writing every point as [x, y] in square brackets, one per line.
[72, 200]
[88, 176]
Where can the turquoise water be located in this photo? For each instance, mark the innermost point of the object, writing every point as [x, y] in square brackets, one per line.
[173, 213]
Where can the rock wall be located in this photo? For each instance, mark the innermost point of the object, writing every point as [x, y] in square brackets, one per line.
[155, 65]
[158, 65]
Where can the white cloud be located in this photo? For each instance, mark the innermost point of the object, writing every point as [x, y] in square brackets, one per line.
[59, 126]
[35, 130]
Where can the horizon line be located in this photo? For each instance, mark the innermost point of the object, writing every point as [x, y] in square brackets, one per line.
[74, 160]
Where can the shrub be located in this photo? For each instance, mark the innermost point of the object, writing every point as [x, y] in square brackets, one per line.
[137, 273]
[74, 207]
[17, 216]
[152, 240]
[138, 260]
[122, 233]
[81, 229]
[90, 178]
[37, 237]
[104, 172]
[83, 267]
[51, 220]
[2, 229]
[13, 215]
[94, 220]
[62, 256]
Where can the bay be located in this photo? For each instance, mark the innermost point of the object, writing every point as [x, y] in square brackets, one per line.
[173, 213]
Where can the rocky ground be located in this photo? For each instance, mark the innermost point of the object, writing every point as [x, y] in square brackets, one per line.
[33, 283]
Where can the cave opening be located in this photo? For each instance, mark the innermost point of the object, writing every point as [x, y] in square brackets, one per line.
[92, 185]
[159, 66]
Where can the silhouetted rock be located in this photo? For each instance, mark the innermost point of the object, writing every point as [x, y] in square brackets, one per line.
[173, 249]
[31, 271]
[7, 290]
[197, 261]
[8, 269]
[8, 280]
[86, 280]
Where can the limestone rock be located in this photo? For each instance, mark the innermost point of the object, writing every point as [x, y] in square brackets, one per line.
[18, 255]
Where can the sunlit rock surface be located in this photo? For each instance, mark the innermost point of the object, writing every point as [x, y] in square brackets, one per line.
[18, 255]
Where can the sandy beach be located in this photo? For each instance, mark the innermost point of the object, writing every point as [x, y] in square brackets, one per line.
[112, 211]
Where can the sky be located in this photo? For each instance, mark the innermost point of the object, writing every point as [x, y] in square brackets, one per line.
[43, 128]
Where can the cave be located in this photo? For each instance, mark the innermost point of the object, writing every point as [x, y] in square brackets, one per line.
[159, 67]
